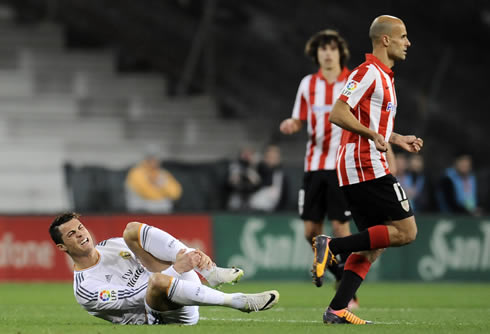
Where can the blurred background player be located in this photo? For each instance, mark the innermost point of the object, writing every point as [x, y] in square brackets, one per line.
[243, 179]
[457, 191]
[272, 192]
[320, 194]
[146, 277]
[150, 188]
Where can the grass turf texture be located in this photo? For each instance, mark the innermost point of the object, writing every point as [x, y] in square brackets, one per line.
[395, 307]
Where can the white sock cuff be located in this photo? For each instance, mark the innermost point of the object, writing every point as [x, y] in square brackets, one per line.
[170, 271]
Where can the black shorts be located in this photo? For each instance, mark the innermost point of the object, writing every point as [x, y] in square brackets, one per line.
[377, 201]
[320, 196]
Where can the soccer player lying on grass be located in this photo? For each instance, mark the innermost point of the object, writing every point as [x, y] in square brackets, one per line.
[146, 277]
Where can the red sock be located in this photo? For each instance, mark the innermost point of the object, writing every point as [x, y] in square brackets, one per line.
[379, 237]
[358, 264]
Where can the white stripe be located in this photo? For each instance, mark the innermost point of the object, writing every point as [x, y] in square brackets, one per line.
[350, 161]
[336, 135]
[376, 161]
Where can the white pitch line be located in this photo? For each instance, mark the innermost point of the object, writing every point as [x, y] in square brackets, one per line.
[261, 320]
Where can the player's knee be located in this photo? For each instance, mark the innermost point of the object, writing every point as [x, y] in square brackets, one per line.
[411, 235]
[131, 231]
[158, 282]
[407, 236]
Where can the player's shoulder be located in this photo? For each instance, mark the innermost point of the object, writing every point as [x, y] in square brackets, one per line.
[111, 242]
[306, 79]
[364, 71]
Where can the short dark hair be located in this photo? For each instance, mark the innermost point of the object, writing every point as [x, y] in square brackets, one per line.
[325, 37]
[54, 228]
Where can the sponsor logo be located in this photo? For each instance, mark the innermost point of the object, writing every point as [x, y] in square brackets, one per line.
[455, 252]
[269, 252]
[125, 255]
[390, 107]
[107, 296]
[25, 254]
[321, 109]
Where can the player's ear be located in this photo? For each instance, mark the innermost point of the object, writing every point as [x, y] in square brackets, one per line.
[61, 247]
[386, 40]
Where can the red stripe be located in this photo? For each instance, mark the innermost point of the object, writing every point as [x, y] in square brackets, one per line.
[311, 90]
[313, 141]
[341, 158]
[303, 109]
[383, 120]
[379, 236]
[358, 264]
[365, 154]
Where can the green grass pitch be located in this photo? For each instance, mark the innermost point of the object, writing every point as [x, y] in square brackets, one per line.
[395, 307]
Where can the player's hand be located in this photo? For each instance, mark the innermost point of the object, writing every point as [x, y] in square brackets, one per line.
[410, 143]
[379, 141]
[186, 261]
[205, 261]
[289, 126]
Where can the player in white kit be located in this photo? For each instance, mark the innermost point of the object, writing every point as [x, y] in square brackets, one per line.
[146, 277]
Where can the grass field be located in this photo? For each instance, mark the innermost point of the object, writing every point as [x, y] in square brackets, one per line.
[396, 308]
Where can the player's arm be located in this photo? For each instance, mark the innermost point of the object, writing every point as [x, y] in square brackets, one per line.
[343, 117]
[300, 109]
[409, 143]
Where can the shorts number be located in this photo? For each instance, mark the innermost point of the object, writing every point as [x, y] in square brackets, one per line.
[400, 193]
[301, 201]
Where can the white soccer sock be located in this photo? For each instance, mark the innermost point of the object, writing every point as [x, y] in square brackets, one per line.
[190, 293]
[160, 244]
[164, 246]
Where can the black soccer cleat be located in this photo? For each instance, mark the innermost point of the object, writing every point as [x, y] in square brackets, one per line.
[323, 258]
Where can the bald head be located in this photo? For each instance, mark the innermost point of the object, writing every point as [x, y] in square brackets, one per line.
[382, 25]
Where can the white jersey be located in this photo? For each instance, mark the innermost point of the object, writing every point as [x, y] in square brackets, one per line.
[113, 289]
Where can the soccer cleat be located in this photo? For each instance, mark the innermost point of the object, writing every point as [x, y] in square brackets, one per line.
[343, 317]
[219, 276]
[259, 301]
[323, 258]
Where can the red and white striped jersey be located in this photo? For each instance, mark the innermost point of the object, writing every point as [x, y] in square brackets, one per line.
[370, 92]
[314, 102]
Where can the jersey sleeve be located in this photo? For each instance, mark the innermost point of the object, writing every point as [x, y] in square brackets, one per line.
[300, 109]
[357, 85]
[97, 296]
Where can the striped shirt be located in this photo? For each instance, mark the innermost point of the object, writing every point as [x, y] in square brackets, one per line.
[370, 93]
[114, 289]
[314, 102]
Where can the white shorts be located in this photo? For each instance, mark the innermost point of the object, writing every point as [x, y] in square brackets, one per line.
[185, 315]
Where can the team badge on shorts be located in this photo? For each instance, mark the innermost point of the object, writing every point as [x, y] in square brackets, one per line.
[405, 205]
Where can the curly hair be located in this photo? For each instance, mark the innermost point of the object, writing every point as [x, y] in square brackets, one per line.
[325, 37]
